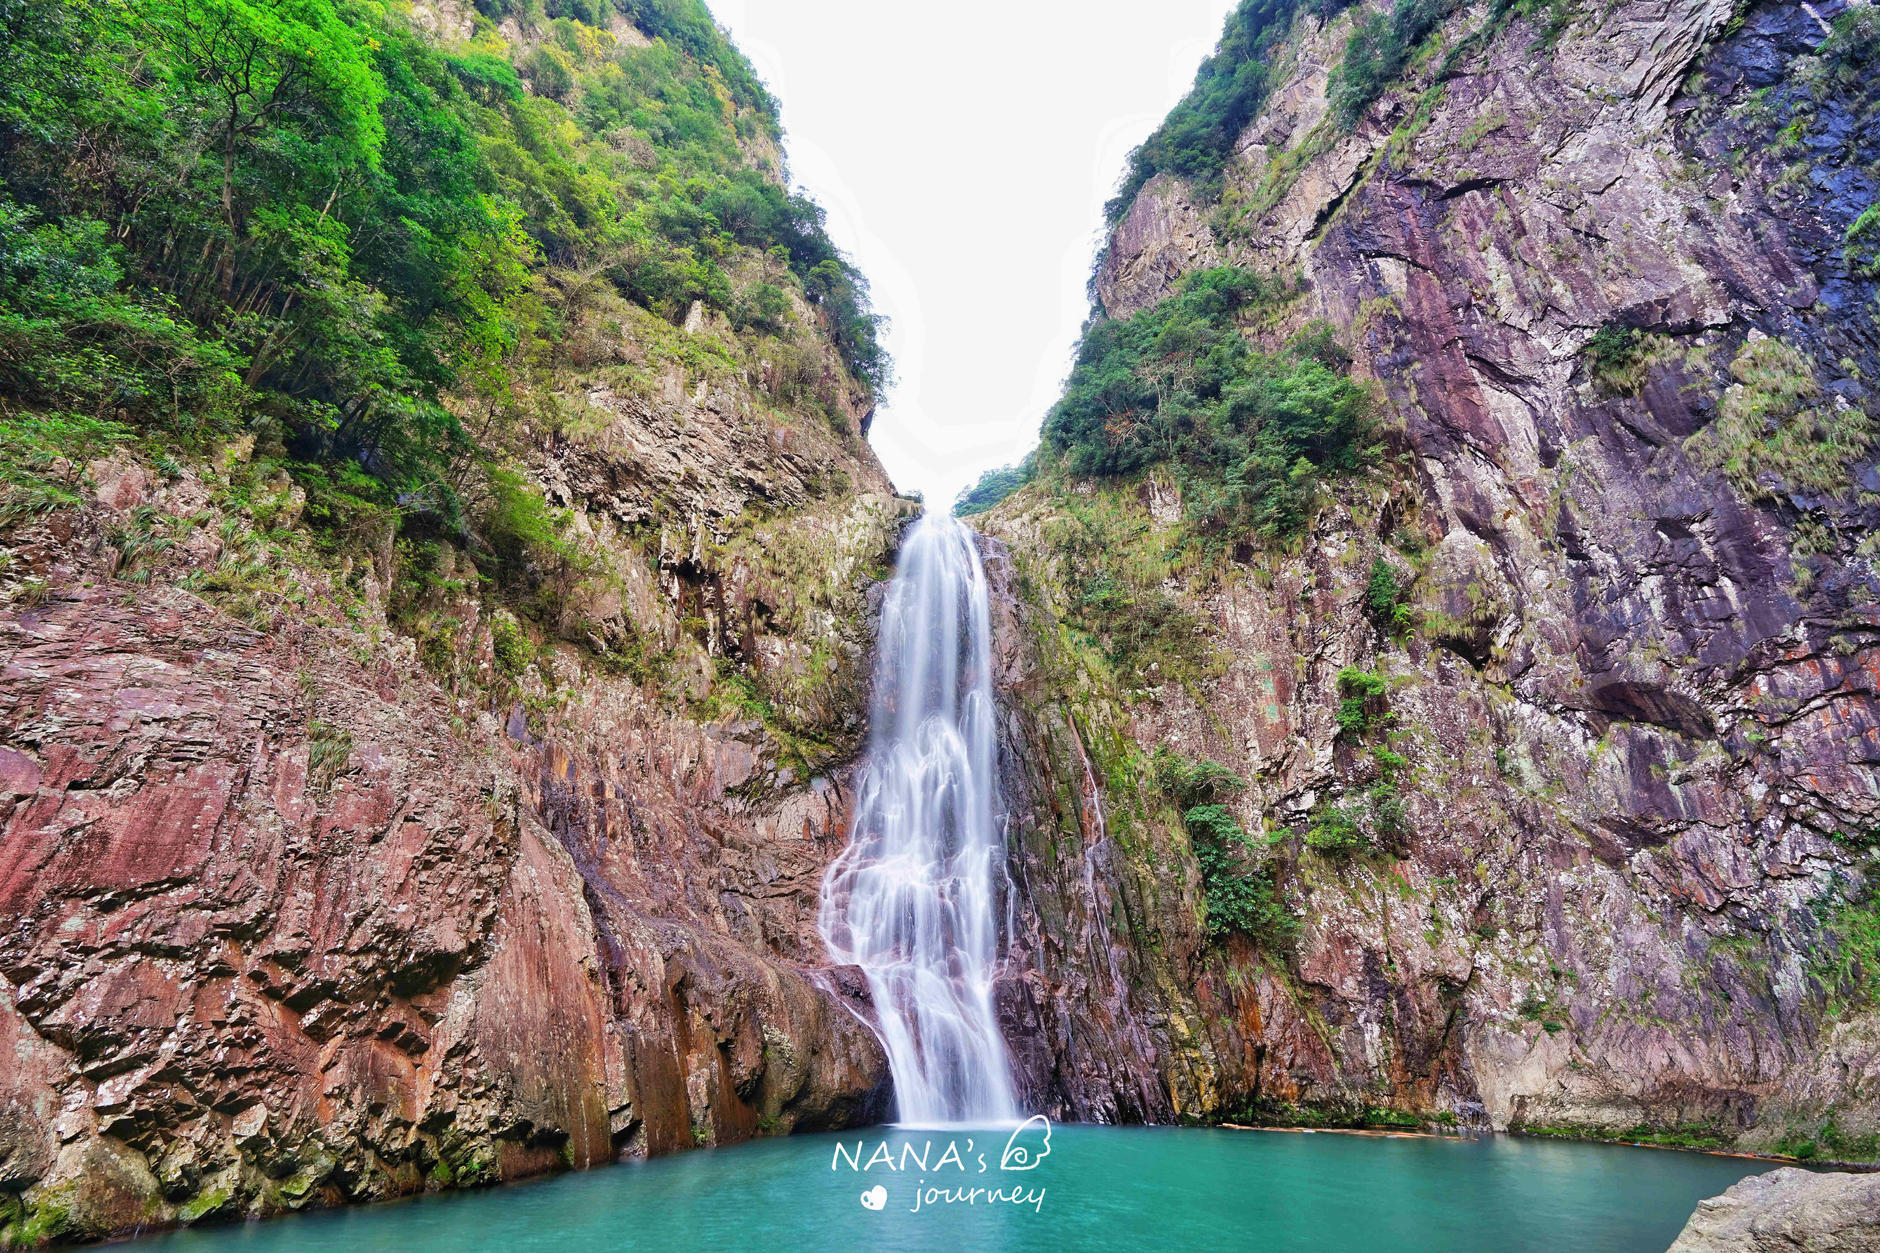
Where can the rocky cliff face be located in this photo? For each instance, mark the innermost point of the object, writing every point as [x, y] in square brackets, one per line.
[328, 875]
[284, 921]
[1620, 882]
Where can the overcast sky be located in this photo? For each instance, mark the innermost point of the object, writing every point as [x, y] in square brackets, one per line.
[964, 151]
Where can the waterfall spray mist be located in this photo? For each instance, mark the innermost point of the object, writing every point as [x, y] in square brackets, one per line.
[915, 898]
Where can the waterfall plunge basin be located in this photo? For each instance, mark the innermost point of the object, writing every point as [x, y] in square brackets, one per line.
[1103, 1188]
[917, 901]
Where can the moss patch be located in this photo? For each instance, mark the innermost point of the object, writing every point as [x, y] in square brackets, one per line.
[1334, 1116]
[1777, 432]
[1707, 1137]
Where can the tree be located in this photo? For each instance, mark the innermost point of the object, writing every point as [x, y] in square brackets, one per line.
[288, 80]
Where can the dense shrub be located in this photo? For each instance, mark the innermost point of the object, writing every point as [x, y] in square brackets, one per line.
[1337, 831]
[1252, 434]
[1361, 696]
[509, 646]
[1612, 357]
[1862, 243]
[1113, 570]
[1192, 782]
[1341, 829]
[1387, 600]
[1241, 899]
[71, 335]
[1376, 53]
[305, 214]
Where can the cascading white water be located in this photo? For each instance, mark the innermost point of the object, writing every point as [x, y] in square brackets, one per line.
[914, 900]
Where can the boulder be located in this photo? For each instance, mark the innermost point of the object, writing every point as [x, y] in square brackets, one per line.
[1788, 1210]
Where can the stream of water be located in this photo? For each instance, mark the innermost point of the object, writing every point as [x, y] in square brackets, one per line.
[915, 899]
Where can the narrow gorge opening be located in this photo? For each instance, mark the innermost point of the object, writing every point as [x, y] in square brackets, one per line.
[916, 898]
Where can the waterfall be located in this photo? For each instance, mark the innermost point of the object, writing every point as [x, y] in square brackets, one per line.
[914, 899]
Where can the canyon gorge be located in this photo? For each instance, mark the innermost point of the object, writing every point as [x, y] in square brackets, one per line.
[382, 814]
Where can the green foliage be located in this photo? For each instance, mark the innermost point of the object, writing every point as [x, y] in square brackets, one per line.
[328, 750]
[1192, 782]
[1387, 599]
[1703, 1136]
[1240, 900]
[1828, 1141]
[1389, 813]
[303, 215]
[32, 448]
[1541, 1009]
[1775, 432]
[1197, 138]
[510, 646]
[1377, 52]
[346, 508]
[1145, 630]
[1253, 435]
[688, 25]
[1114, 565]
[1266, 1112]
[765, 307]
[1849, 960]
[1862, 243]
[1614, 355]
[71, 338]
[738, 695]
[1337, 831]
[1853, 45]
[1361, 708]
[994, 486]
[523, 530]
[1861, 839]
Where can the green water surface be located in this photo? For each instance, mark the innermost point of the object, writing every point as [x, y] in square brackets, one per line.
[1103, 1189]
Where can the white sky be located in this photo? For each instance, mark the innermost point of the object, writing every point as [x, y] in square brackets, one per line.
[964, 151]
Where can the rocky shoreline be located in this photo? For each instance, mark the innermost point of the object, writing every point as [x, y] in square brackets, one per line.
[1785, 1211]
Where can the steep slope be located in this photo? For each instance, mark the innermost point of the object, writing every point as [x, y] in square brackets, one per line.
[436, 623]
[1544, 709]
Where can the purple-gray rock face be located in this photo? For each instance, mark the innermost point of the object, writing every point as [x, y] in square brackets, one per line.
[1620, 878]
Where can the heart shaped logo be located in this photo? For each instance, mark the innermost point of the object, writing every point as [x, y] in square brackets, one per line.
[875, 1198]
